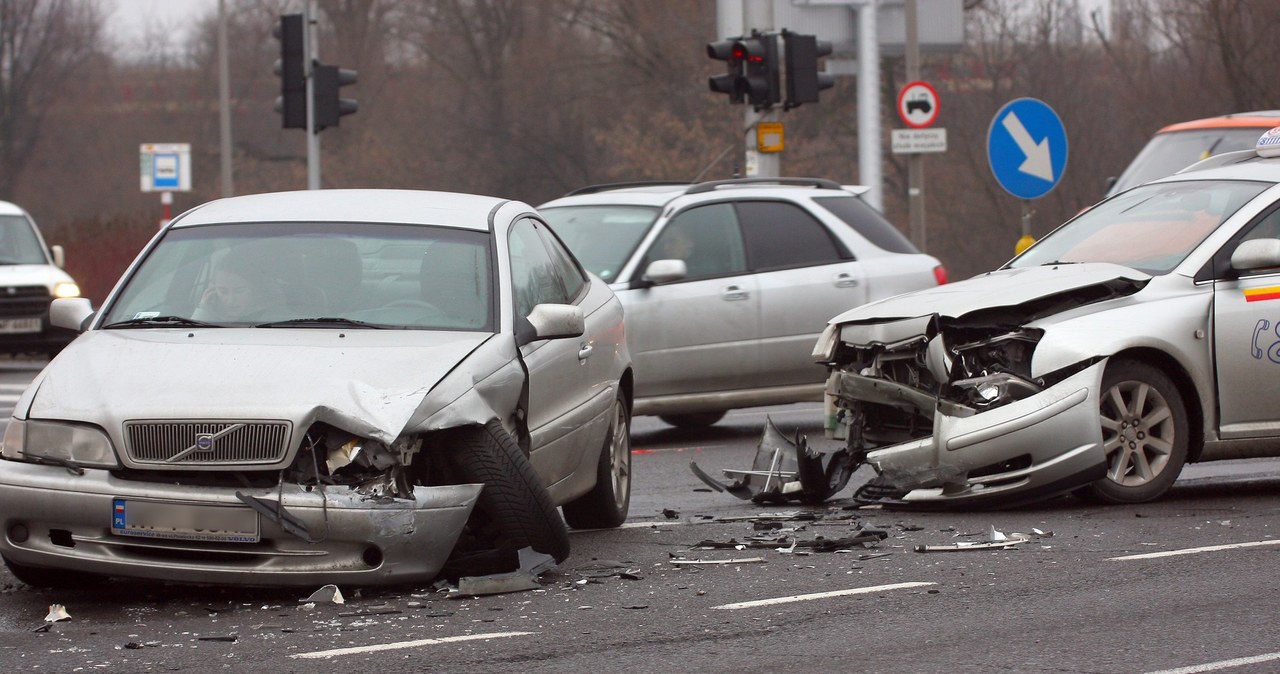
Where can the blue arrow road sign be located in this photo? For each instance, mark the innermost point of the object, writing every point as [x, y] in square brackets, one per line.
[1027, 148]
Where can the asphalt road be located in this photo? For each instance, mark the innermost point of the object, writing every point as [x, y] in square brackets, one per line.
[1071, 599]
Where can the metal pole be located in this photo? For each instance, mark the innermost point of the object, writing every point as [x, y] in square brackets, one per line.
[915, 162]
[224, 102]
[758, 14]
[869, 153]
[310, 52]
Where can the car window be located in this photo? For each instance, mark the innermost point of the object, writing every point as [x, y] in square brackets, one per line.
[781, 235]
[570, 273]
[868, 222]
[601, 237]
[18, 242]
[1168, 153]
[403, 276]
[534, 276]
[1150, 228]
[706, 238]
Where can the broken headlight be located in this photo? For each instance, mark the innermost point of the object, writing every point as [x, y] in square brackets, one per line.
[995, 390]
[825, 350]
[60, 443]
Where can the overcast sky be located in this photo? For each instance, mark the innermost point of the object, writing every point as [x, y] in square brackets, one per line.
[128, 19]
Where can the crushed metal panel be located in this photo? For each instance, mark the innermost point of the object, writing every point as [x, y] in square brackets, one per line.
[532, 564]
[784, 470]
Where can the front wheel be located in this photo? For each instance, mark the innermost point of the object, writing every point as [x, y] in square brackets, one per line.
[607, 503]
[514, 510]
[1144, 433]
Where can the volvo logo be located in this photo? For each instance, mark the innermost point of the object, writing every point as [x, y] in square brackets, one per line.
[204, 442]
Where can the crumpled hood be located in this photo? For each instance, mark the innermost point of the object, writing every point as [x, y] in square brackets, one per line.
[366, 381]
[1001, 288]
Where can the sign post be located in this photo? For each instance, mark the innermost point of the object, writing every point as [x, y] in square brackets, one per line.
[1027, 152]
[918, 107]
[166, 168]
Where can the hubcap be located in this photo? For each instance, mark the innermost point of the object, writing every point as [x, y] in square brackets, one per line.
[620, 456]
[1137, 432]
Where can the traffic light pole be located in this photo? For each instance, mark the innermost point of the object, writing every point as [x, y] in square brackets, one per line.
[758, 15]
[309, 59]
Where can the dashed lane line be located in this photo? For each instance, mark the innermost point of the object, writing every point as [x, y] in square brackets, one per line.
[1193, 551]
[1221, 664]
[820, 595]
[407, 644]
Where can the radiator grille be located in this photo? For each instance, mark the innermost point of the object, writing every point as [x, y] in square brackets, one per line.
[24, 301]
[187, 443]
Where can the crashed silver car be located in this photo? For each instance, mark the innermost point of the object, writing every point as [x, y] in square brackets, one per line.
[1141, 335]
[356, 386]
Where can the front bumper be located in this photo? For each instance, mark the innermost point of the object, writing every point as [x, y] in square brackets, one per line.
[1037, 447]
[53, 519]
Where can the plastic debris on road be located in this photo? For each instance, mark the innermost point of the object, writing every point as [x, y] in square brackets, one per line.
[532, 564]
[785, 470]
[57, 612]
[329, 594]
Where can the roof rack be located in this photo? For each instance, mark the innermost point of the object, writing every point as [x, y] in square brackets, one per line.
[710, 186]
[592, 189]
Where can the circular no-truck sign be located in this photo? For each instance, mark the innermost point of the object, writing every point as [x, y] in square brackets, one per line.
[918, 104]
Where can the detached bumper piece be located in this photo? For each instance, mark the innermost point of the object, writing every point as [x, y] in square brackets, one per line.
[785, 470]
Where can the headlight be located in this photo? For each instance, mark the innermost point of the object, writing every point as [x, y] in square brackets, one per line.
[825, 349]
[58, 442]
[66, 289]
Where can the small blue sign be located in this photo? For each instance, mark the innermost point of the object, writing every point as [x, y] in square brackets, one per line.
[166, 170]
[1027, 148]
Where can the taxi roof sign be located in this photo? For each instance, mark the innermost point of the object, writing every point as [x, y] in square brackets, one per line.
[1269, 143]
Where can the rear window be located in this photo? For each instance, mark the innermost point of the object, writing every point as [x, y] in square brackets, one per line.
[866, 221]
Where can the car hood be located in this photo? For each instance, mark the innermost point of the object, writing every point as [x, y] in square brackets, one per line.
[32, 275]
[1004, 288]
[368, 382]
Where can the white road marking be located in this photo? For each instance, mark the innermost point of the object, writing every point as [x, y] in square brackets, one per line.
[1192, 551]
[821, 595]
[407, 644]
[1221, 664]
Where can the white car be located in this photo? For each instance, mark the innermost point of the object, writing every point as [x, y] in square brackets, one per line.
[1137, 337]
[727, 284]
[356, 386]
[31, 275]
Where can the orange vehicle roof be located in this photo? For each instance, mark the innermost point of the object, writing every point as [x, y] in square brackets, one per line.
[1262, 119]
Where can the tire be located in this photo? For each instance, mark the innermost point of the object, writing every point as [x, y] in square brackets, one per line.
[513, 511]
[1144, 433]
[699, 420]
[58, 579]
[606, 505]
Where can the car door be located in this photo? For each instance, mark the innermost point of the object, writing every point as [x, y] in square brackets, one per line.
[698, 334]
[559, 391]
[1247, 342]
[804, 276]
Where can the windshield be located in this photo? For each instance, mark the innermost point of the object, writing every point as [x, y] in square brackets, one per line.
[18, 242]
[1168, 153]
[334, 275]
[601, 237]
[1149, 228]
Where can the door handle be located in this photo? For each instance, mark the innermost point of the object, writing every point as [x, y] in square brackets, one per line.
[844, 280]
[584, 352]
[732, 293]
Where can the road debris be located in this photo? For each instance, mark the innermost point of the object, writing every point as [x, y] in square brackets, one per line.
[607, 568]
[231, 638]
[785, 470]
[994, 540]
[717, 562]
[818, 544]
[329, 594]
[532, 564]
[57, 612]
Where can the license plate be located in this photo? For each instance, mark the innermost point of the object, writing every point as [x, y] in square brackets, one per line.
[183, 521]
[10, 326]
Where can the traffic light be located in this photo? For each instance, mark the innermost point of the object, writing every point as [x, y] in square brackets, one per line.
[728, 83]
[760, 52]
[329, 106]
[292, 103]
[803, 79]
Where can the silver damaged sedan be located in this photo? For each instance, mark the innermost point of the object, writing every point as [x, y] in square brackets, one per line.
[357, 386]
[1141, 335]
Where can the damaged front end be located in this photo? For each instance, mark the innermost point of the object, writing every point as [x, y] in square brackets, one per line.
[948, 410]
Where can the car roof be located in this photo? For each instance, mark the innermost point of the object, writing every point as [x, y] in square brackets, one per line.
[659, 194]
[1260, 119]
[1239, 165]
[415, 207]
[7, 208]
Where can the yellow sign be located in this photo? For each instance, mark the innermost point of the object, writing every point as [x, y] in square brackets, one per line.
[769, 137]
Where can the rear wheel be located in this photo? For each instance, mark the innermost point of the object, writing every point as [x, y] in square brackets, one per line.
[1144, 433]
[513, 511]
[607, 503]
[699, 420]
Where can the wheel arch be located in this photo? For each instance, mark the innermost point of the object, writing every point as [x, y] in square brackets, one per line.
[1191, 400]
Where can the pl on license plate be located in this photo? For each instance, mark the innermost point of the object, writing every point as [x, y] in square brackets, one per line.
[183, 521]
[11, 326]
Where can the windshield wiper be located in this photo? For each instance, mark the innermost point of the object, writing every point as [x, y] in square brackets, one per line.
[71, 466]
[321, 322]
[165, 321]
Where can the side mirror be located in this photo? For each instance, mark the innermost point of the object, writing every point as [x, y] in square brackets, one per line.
[558, 321]
[1256, 254]
[72, 313]
[665, 271]
[59, 256]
